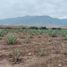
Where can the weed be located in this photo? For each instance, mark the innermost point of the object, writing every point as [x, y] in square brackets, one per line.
[65, 51]
[42, 52]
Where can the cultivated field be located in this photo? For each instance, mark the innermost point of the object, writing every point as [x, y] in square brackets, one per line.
[33, 47]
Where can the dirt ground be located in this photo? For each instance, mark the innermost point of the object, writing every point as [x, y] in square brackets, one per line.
[37, 51]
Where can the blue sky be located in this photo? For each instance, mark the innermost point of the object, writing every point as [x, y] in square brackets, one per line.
[19, 8]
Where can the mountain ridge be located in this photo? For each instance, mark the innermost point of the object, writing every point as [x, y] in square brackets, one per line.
[34, 21]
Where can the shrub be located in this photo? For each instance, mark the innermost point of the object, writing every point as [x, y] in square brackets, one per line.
[33, 27]
[1, 33]
[43, 28]
[65, 51]
[59, 28]
[15, 56]
[24, 27]
[54, 28]
[11, 39]
[65, 37]
[42, 52]
[53, 33]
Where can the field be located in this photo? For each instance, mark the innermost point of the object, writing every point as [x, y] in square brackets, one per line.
[33, 47]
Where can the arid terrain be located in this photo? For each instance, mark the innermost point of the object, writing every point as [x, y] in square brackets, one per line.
[33, 48]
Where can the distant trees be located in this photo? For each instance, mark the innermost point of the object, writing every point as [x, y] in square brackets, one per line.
[33, 27]
[54, 28]
[43, 28]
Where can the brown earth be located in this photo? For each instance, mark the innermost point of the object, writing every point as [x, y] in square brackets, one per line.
[36, 51]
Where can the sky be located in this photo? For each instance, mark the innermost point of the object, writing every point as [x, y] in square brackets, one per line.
[20, 8]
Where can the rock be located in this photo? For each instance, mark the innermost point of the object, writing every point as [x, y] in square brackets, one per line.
[60, 65]
[29, 54]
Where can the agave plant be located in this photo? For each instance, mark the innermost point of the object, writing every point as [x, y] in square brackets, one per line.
[11, 38]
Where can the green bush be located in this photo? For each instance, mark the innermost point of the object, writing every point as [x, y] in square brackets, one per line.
[65, 37]
[52, 33]
[33, 27]
[1, 33]
[54, 28]
[11, 39]
[43, 28]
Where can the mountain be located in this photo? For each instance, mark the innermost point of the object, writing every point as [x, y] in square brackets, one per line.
[34, 21]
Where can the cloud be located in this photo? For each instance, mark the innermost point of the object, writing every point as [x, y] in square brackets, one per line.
[17, 8]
